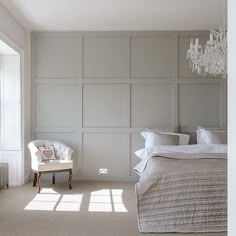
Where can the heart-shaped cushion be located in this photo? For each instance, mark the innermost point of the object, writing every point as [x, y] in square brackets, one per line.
[47, 153]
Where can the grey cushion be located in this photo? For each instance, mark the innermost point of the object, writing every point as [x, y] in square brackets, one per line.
[216, 137]
[166, 139]
[211, 135]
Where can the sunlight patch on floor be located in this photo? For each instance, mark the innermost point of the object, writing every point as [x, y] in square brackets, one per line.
[70, 202]
[48, 190]
[104, 200]
[49, 200]
[107, 200]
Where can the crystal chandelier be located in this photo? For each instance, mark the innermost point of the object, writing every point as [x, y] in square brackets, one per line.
[212, 58]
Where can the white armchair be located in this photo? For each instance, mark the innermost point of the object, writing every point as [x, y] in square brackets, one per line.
[62, 163]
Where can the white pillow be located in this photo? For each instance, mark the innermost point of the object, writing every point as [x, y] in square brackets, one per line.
[206, 136]
[153, 139]
[47, 153]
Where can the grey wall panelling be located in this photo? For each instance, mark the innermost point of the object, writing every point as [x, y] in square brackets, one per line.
[96, 91]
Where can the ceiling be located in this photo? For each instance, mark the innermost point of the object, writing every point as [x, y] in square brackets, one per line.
[6, 50]
[117, 15]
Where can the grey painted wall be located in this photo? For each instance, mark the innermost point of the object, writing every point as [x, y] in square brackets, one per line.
[96, 91]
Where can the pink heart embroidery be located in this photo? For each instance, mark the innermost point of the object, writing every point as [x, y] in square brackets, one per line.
[47, 153]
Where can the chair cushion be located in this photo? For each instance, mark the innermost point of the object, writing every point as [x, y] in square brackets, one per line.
[51, 165]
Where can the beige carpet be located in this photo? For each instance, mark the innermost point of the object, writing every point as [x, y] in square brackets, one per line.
[90, 208]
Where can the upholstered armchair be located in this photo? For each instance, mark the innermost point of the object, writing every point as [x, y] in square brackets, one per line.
[48, 156]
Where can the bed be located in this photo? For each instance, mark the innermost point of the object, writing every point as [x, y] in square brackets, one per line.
[182, 188]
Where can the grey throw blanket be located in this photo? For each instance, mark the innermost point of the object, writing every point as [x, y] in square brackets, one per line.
[183, 195]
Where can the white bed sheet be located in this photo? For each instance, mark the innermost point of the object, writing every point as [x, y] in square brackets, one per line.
[196, 151]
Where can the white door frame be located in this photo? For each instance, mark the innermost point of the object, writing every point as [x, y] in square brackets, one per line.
[22, 107]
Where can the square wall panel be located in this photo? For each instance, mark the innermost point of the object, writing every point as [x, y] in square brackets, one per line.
[59, 57]
[151, 105]
[70, 139]
[151, 57]
[106, 105]
[58, 106]
[199, 104]
[106, 151]
[106, 57]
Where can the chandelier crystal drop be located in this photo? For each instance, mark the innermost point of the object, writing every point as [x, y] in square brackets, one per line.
[212, 58]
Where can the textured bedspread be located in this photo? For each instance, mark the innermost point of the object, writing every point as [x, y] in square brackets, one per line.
[183, 195]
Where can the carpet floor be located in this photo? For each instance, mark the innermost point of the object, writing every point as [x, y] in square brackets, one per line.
[89, 209]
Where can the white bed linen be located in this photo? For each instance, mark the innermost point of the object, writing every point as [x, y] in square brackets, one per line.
[197, 151]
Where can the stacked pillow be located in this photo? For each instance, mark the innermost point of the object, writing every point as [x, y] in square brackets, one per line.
[153, 138]
[211, 135]
[204, 136]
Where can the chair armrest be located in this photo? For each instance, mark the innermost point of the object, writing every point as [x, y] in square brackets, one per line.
[36, 155]
[68, 153]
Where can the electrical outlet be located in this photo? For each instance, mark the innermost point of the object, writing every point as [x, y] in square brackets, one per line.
[103, 171]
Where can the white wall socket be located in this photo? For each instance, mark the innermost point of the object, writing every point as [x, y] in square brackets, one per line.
[103, 171]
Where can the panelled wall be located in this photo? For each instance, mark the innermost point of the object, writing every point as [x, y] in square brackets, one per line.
[96, 91]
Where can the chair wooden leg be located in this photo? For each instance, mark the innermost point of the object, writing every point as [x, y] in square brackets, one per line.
[35, 179]
[38, 181]
[53, 178]
[70, 177]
